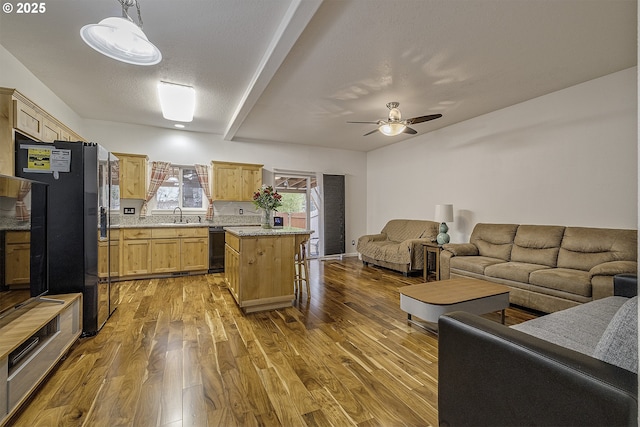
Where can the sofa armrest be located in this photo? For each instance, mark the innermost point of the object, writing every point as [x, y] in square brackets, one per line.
[489, 374]
[461, 249]
[612, 268]
[371, 238]
[416, 249]
[625, 285]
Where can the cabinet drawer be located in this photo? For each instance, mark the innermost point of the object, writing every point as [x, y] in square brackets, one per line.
[193, 232]
[232, 241]
[163, 233]
[13, 237]
[136, 233]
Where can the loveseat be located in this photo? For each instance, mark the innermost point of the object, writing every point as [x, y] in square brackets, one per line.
[572, 367]
[547, 267]
[399, 245]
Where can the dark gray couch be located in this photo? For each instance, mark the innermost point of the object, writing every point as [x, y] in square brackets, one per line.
[572, 367]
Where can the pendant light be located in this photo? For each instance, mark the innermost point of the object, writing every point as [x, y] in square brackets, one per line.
[121, 38]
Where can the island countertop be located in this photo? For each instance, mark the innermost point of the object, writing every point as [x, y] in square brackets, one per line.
[259, 231]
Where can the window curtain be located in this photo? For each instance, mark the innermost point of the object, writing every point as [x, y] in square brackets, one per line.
[159, 172]
[203, 178]
[22, 213]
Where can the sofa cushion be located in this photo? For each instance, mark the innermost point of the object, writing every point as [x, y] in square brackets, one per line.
[473, 264]
[537, 244]
[578, 328]
[399, 230]
[563, 279]
[494, 240]
[619, 342]
[583, 248]
[516, 271]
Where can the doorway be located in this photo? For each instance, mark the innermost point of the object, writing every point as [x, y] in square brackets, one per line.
[301, 206]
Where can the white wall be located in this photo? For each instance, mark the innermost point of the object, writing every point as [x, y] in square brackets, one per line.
[188, 148]
[181, 147]
[567, 158]
[16, 76]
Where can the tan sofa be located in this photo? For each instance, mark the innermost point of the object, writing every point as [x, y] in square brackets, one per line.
[548, 268]
[399, 245]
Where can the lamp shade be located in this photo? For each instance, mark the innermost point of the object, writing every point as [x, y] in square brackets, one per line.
[121, 39]
[444, 213]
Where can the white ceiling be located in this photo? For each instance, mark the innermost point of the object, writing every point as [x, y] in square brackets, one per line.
[296, 70]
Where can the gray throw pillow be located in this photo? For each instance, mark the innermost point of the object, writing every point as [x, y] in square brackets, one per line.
[619, 342]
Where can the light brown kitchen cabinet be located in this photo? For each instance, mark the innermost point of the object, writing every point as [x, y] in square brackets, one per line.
[17, 258]
[166, 255]
[235, 181]
[109, 253]
[170, 250]
[20, 114]
[136, 251]
[9, 188]
[133, 175]
[27, 119]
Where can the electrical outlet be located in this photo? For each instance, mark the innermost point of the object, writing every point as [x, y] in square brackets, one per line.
[240, 211]
[353, 242]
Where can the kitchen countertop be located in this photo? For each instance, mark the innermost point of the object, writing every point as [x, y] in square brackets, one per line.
[162, 225]
[259, 231]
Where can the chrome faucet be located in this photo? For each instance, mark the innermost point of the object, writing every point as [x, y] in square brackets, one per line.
[174, 212]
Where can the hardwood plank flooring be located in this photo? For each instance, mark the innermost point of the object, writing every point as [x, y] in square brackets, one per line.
[179, 352]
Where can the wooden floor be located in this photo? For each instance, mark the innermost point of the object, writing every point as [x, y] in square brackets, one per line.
[179, 352]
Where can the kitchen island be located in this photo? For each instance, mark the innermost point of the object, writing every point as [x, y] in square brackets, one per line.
[259, 265]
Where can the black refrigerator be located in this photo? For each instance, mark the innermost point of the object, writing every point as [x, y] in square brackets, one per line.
[80, 177]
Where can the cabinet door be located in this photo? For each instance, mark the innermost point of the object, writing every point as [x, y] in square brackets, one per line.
[27, 119]
[114, 258]
[166, 255]
[251, 181]
[194, 254]
[227, 181]
[133, 176]
[232, 272]
[103, 259]
[136, 257]
[50, 131]
[17, 258]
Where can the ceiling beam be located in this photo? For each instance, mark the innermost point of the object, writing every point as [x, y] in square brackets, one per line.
[293, 23]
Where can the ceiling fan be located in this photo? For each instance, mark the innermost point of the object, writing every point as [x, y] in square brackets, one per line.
[394, 125]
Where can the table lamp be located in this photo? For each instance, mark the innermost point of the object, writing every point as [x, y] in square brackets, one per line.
[444, 213]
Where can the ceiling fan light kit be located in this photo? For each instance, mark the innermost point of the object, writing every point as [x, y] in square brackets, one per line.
[394, 125]
[120, 38]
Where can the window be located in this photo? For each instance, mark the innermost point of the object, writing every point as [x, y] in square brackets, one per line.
[180, 189]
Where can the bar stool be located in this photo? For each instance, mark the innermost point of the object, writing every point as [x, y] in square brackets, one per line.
[301, 263]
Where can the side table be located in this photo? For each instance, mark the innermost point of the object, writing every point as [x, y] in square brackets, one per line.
[431, 253]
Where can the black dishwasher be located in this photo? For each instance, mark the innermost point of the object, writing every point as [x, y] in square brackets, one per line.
[216, 249]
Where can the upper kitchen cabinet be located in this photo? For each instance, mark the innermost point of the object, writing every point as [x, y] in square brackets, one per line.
[133, 175]
[19, 114]
[235, 181]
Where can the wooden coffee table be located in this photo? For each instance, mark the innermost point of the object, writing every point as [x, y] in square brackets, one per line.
[429, 301]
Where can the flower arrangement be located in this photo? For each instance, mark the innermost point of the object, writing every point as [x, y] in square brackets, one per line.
[267, 198]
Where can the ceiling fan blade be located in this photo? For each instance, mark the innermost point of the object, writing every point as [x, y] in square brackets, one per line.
[421, 119]
[370, 123]
[409, 131]
[369, 133]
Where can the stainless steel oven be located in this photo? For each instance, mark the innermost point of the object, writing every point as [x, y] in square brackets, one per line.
[216, 249]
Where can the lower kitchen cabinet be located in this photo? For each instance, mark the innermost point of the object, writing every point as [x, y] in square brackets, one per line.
[109, 252]
[164, 250]
[166, 255]
[17, 258]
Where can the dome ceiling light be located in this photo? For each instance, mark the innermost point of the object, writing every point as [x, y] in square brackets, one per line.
[121, 38]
